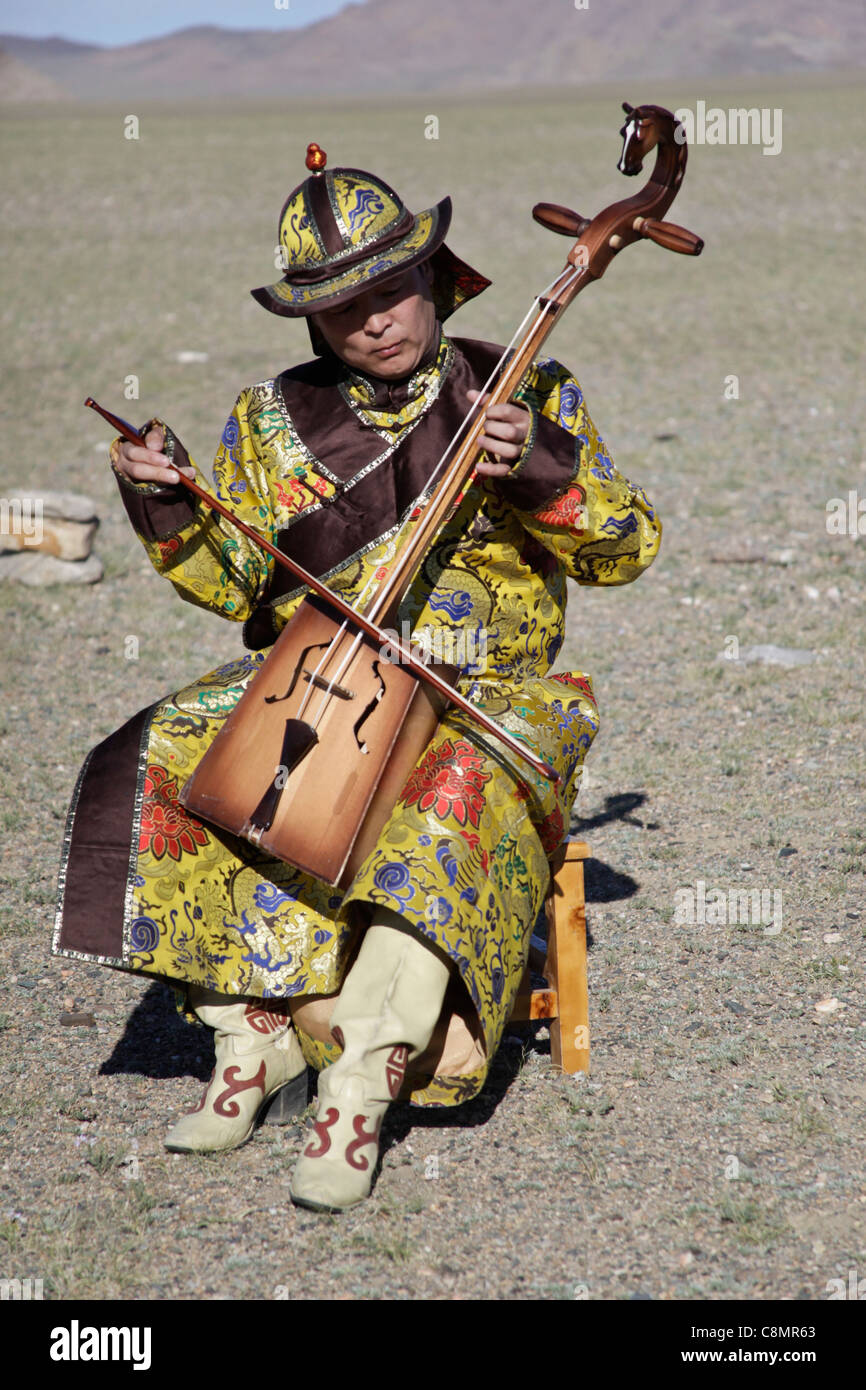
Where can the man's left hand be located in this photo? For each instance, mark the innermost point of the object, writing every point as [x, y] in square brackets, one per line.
[505, 431]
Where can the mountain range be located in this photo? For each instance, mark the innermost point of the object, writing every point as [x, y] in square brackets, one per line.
[395, 47]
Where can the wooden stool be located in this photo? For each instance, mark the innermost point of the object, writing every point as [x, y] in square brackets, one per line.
[565, 1001]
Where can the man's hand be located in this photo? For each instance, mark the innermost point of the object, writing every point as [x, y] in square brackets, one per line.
[146, 463]
[505, 430]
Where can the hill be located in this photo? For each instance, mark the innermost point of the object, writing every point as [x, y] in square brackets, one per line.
[401, 46]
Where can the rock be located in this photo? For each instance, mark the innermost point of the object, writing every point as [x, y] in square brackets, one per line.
[70, 506]
[55, 523]
[39, 571]
[190, 357]
[831, 937]
[734, 1007]
[785, 851]
[68, 540]
[77, 1020]
[828, 1006]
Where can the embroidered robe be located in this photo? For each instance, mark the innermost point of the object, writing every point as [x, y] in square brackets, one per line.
[333, 468]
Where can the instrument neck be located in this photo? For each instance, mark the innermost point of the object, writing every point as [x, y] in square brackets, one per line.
[448, 493]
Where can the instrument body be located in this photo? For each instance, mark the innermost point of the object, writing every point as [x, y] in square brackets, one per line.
[354, 761]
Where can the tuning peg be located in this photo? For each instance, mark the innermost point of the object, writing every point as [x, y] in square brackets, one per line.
[669, 235]
[560, 219]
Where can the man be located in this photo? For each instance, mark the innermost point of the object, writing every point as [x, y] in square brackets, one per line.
[330, 461]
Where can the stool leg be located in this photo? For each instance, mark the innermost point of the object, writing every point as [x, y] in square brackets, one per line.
[566, 969]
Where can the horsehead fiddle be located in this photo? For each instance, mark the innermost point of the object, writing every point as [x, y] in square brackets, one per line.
[317, 791]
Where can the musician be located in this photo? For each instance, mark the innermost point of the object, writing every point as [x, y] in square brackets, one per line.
[329, 461]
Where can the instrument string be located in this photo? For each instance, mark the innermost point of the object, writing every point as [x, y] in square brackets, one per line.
[464, 423]
[326, 658]
[477, 405]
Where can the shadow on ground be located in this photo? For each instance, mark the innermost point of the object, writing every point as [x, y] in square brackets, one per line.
[158, 1042]
[602, 883]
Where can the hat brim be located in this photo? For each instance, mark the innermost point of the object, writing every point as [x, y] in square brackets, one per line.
[454, 282]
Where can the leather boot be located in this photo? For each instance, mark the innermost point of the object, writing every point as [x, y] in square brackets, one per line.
[385, 1016]
[257, 1053]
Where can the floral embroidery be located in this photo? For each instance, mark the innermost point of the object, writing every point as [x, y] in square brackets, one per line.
[167, 549]
[568, 510]
[165, 826]
[582, 683]
[449, 781]
[552, 833]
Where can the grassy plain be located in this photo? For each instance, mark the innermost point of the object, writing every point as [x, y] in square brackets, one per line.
[707, 1045]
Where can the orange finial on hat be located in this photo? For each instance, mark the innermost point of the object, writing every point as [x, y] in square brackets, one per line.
[316, 159]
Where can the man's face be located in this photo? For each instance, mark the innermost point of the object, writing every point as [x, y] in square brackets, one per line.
[385, 331]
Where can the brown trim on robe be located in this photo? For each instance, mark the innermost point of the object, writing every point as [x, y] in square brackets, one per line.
[378, 503]
[550, 467]
[158, 515]
[353, 520]
[324, 421]
[95, 869]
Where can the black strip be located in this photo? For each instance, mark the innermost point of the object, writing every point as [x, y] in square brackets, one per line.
[550, 467]
[356, 519]
[323, 213]
[158, 515]
[98, 864]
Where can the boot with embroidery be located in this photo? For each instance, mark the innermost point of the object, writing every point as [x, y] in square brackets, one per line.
[385, 1016]
[257, 1053]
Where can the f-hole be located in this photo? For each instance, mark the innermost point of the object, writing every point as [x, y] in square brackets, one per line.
[299, 671]
[365, 714]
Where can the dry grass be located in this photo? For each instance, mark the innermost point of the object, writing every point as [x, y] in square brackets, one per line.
[122, 254]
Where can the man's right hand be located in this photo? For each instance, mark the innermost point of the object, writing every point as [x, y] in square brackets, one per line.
[146, 463]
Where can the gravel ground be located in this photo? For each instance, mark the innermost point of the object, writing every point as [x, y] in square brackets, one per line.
[716, 1150]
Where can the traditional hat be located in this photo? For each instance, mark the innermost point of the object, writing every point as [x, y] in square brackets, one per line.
[343, 230]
